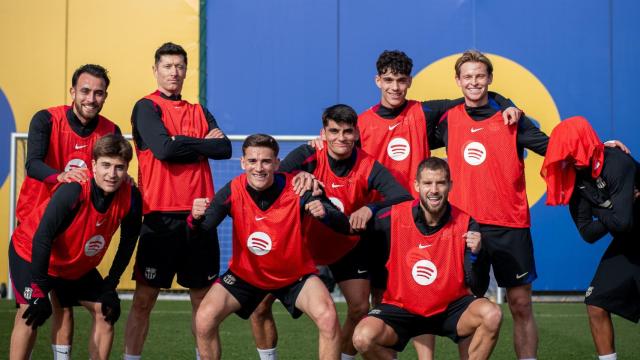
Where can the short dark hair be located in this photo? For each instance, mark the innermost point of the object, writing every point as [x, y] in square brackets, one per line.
[341, 114]
[170, 48]
[434, 163]
[261, 140]
[92, 69]
[473, 56]
[395, 61]
[113, 145]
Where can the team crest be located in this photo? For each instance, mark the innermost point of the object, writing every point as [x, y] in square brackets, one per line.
[589, 291]
[424, 272]
[229, 279]
[27, 293]
[150, 273]
[398, 149]
[259, 243]
[94, 246]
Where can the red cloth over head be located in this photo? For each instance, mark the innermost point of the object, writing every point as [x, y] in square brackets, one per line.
[573, 143]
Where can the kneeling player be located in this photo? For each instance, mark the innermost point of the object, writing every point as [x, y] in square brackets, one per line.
[60, 245]
[269, 254]
[433, 265]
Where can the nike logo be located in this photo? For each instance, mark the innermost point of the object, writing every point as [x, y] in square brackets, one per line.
[260, 218]
[581, 187]
[361, 271]
[333, 186]
[100, 222]
[420, 246]
[211, 277]
[474, 130]
[391, 127]
[78, 147]
[520, 276]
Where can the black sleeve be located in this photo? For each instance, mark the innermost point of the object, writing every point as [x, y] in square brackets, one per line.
[38, 146]
[434, 110]
[129, 232]
[63, 201]
[619, 175]
[531, 137]
[476, 266]
[590, 229]
[379, 233]
[218, 210]
[117, 130]
[152, 134]
[301, 158]
[334, 218]
[393, 193]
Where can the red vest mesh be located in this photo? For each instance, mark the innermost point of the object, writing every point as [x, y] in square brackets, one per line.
[169, 186]
[66, 150]
[268, 250]
[426, 273]
[82, 245]
[349, 194]
[487, 174]
[399, 144]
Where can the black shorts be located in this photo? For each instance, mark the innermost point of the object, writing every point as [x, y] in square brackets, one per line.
[408, 325]
[616, 285]
[69, 292]
[168, 247]
[353, 265]
[250, 296]
[510, 253]
[376, 249]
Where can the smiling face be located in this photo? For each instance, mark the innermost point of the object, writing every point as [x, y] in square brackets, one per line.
[88, 95]
[474, 80]
[341, 138]
[259, 164]
[433, 188]
[393, 88]
[170, 72]
[109, 172]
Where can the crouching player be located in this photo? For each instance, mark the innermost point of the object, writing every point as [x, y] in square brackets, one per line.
[269, 254]
[433, 264]
[60, 245]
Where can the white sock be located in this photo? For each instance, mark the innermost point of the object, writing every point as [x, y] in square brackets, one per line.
[197, 354]
[61, 352]
[132, 357]
[268, 354]
[344, 356]
[613, 356]
[528, 359]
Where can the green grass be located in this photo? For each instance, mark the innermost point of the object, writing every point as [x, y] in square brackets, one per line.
[564, 334]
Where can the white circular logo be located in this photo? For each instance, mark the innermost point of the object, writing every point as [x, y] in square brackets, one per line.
[259, 243]
[475, 153]
[398, 149]
[94, 245]
[424, 272]
[75, 164]
[335, 201]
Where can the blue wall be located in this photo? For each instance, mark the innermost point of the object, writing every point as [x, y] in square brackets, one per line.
[273, 66]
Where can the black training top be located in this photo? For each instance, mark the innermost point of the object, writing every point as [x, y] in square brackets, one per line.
[61, 211]
[39, 136]
[380, 178]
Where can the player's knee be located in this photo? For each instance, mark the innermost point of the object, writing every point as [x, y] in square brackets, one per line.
[492, 317]
[327, 322]
[596, 312]
[142, 305]
[362, 338]
[358, 310]
[205, 324]
[262, 313]
[520, 306]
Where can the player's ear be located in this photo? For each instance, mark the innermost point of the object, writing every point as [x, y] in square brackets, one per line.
[378, 81]
[356, 131]
[410, 81]
[276, 164]
[416, 185]
[323, 134]
[242, 163]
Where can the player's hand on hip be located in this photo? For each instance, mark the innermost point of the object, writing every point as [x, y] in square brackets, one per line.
[511, 115]
[316, 209]
[200, 205]
[618, 144]
[472, 239]
[359, 218]
[215, 134]
[39, 309]
[74, 175]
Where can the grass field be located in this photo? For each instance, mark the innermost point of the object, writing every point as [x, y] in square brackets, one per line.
[564, 334]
